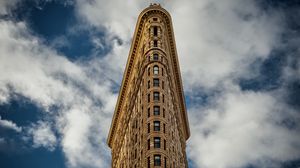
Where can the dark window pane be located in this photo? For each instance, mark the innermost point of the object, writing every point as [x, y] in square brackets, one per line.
[156, 142]
[155, 43]
[155, 30]
[156, 110]
[155, 95]
[157, 160]
[156, 82]
[149, 84]
[155, 57]
[156, 125]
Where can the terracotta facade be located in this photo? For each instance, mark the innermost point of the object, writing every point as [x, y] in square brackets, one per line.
[150, 126]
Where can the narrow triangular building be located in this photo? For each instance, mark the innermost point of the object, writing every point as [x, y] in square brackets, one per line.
[150, 125]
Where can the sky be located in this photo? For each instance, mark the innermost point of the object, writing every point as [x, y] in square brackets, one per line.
[61, 66]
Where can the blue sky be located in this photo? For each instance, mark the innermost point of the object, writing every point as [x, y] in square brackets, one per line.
[61, 65]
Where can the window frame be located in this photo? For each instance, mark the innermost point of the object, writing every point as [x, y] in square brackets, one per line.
[157, 160]
[156, 110]
[157, 142]
[156, 125]
[155, 57]
[155, 70]
[156, 96]
[156, 82]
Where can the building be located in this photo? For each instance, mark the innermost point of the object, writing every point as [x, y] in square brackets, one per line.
[150, 125]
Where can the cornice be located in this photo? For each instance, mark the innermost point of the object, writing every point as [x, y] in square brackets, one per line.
[153, 9]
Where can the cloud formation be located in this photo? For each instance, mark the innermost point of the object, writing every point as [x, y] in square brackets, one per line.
[219, 43]
[43, 136]
[77, 104]
[9, 125]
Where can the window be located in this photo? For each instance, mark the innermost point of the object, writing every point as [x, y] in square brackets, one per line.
[155, 30]
[148, 84]
[156, 142]
[148, 144]
[154, 19]
[164, 112]
[155, 70]
[162, 71]
[165, 145]
[156, 82]
[148, 98]
[156, 110]
[164, 128]
[163, 98]
[148, 127]
[148, 112]
[155, 57]
[155, 95]
[157, 160]
[163, 84]
[149, 71]
[155, 43]
[165, 162]
[148, 165]
[156, 125]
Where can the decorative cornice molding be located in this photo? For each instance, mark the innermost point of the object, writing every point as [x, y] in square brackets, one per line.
[153, 9]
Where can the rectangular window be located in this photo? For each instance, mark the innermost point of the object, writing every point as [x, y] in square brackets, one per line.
[156, 110]
[148, 144]
[163, 84]
[157, 160]
[164, 112]
[165, 162]
[148, 98]
[165, 145]
[148, 127]
[163, 98]
[162, 71]
[164, 128]
[155, 30]
[155, 43]
[156, 96]
[155, 70]
[155, 57]
[156, 142]
[156, 82]
[148, 164]
[148, 112]
[148, 84]
[156, 125]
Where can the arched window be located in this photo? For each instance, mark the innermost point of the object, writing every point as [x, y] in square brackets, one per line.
[155, 70]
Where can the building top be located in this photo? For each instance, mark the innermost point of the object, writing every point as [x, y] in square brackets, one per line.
[152, 9]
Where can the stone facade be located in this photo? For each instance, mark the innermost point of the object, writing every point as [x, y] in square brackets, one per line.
[150, 125]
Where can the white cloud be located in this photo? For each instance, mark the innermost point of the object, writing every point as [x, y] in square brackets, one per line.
[219, 40]
[241, 128]
[216, 41]
[83, 100]
[10, 125]
[43, 135]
